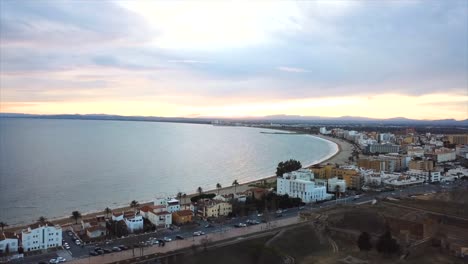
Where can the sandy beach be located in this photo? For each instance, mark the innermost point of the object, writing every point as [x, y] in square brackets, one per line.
[345, 150]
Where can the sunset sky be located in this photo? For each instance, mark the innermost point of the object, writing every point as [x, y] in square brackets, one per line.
[376, 59]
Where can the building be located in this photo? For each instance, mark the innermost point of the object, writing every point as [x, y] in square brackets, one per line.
[171, 204]
[426, 176]
[336, 185]
[8, 242]
[382, 163]
[458, 139]
[133, 221]
[425, 165]
[301, 184]
[96, 231]
[322, 171]
[323, 130]
[444, 155]
[415, 151]
[212, 208]
[41, 236]
[383, 148]
[182, 217]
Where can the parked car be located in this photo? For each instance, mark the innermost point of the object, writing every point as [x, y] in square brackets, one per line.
[179, 237]
[106, 250]
[198, 233]
[93, 253]
[167, 239]
[116, 249]
[208, 225]
[100, 251]
[123, 247]
[53, 261]
[61, 259]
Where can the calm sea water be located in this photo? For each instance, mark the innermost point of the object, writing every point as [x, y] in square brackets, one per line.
[53, 167]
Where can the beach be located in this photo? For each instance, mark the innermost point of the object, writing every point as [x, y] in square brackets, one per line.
[344, 151]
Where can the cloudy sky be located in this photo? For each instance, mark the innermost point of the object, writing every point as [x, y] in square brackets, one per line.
[218, 58]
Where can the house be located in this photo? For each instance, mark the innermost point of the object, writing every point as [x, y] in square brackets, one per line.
[133, 220]
[212, 208]
[41, 236]
[182, 217]
[8, 242]
[171, 204]
[96, 231]
[158, 215]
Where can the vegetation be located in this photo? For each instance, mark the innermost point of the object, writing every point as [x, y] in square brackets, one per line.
[42, 219]
[200, 190]
[387, 245]
[202, 196]
[134, 204]
[107, 211]
[218, 186]
[364, 242]
[76, 215]
[235, 183]
[3, 225]
[287, 166]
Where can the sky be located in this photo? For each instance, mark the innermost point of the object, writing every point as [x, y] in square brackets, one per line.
[377, 59]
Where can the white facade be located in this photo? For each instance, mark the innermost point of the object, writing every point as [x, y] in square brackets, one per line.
[172, 205]
[38, 237]
[9, 241]
[323, 130]
[446, 155]
[134, 223]
[427, 176]
[300, 184]
[334, 183]
[163, 218]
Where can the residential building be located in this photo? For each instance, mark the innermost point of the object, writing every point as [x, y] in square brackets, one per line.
[427, 176]
[444, 155]
[41, 236]
[458, 139]
[335, 184]
[415, 151]
[8, 242]
[96, 231]
[383, 148]
[171, 204]
[182, 217]
[322, 171]
[425, 165]
[382, 163]
[212, 208]
[134, 222]
[300, 184]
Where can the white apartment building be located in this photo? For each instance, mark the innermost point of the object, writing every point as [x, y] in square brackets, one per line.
[444, 155]
[8, 242]
[427, 176]
[41, 236]
[134, 223]
[323, 130]
[335, 183]
[172, 205]
[301, 184]
[158, 215]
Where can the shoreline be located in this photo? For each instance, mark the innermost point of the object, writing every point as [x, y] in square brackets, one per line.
[343, 150]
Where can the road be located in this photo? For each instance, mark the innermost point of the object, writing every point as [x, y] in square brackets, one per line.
[79, 252]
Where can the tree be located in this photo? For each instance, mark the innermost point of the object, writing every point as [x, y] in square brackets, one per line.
[364, 242]
[235, 183]
[287, 166]
[218, 186]
[337, 190]
[179, 195]
[134, 204]
[76, 215]
[42, 220]
[3, 225]
[108, 211]
[200, 190]
[386, 244]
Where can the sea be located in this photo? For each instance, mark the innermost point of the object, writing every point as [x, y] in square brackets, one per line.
[51, 167]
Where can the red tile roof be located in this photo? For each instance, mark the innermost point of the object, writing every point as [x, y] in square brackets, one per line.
[163, 213]
[6, 235]
[184, 213]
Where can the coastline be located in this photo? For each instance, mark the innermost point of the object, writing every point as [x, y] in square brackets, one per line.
[340, 156]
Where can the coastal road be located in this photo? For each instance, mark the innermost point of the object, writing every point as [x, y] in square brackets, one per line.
[79, 252]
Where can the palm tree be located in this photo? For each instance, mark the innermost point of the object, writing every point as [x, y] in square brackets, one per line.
[75, 215]
[42, 220]
[179, 195]
[134, 204]
[218, 186]
[235, 183]
[3, 225]
[200, 190]
[108, 211]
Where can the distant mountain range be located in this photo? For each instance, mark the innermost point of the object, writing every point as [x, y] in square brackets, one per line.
[286, 119]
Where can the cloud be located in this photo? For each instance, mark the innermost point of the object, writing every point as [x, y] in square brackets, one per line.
[291, 69]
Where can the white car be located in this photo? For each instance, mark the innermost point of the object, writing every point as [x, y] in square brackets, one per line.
[167, 239]
[54, 261]
[61, 259]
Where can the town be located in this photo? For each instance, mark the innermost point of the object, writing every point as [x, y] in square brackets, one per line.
[403, 169]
